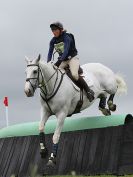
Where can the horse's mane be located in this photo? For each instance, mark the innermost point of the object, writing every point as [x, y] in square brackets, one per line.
[43, 63]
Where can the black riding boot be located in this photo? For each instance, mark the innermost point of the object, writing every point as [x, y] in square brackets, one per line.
[82, 84]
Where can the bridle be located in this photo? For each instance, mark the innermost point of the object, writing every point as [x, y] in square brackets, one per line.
[44, 94]
[40, 85]
[37, 78]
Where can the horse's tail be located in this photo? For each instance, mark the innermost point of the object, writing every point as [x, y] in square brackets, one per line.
[122, 86]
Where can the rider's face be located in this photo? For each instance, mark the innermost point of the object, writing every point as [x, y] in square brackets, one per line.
[56, 32]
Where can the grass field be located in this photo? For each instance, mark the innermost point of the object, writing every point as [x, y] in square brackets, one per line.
[33, 173]
[78, 176]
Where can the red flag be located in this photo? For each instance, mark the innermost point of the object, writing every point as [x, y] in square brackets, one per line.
[5, 101]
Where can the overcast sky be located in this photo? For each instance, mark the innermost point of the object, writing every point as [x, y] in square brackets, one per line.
[103, 31]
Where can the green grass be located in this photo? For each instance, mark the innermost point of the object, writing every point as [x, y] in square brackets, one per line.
[79, 176]
[33, 173]
[94, 176]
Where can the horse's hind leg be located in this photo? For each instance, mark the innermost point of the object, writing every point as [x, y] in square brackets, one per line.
[111, 106]
[111, 88]
[102, 105]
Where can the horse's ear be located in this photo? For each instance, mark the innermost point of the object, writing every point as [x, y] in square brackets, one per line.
[39, 56]
[38, 59]
[27, 59]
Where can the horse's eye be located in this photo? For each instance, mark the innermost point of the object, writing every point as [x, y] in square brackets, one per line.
[35, 72]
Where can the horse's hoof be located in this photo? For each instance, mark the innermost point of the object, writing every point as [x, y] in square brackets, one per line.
[51, 162]
[50, 166]
[105, 111]
[112, 107]
[44, 153]
[108, 113]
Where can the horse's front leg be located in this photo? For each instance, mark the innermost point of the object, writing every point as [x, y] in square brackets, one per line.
[44, 117]
[60, 122]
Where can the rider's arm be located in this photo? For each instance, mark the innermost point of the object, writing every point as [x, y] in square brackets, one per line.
[67, 42]
[51, 48]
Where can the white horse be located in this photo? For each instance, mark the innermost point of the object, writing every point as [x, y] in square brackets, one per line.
[59, 95]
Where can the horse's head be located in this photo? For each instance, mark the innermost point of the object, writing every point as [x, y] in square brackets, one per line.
[32, 76]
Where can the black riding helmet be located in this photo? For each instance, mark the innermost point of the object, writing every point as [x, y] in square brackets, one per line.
[56, 25]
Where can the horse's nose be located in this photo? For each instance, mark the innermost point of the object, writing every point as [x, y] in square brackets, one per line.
[28, 92]
[27, 80]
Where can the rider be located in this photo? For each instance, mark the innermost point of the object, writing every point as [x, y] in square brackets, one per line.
[64, 44]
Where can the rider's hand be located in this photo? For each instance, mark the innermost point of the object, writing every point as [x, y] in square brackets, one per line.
[59, 58]
[58, 63]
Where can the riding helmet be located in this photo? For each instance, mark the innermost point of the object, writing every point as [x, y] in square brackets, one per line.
[56, 25]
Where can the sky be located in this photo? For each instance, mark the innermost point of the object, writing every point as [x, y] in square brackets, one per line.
[103, 31]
